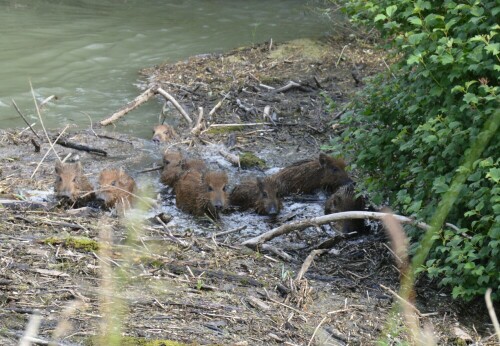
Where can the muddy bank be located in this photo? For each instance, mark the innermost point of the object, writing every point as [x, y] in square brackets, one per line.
[189, 279]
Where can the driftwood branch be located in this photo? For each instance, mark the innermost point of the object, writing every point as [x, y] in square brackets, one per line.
[320, 220]
[175, 103]
[22, 116]
[139, 100]
[81, 147]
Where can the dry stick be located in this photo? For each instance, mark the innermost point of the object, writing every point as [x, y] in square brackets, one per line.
[139, 100]
[41, 121]
[199, 123]
[31, 330]
[48, 151]
[26, 121]
[47, 100]
[491, 311]
[217, 106]
[234, 125]
[241, 228]
[402, 300]
[316, 330]
[170, 235]
[320, 220]
[234, 159]
[175, 103]
[290, 85]
[340, 56]
[307, 263]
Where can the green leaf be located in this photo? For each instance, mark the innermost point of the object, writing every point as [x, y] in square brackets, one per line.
[416, 38]
[447, 59]
[470, 98]
[379, 17]
[494, 174]
[415, 21]
[477, 11]
[390, 10]
[493, 48]
[413, 59]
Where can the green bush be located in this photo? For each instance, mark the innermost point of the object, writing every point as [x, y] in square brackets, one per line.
[411, 128]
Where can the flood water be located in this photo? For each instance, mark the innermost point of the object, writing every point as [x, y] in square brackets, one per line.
[88, 52]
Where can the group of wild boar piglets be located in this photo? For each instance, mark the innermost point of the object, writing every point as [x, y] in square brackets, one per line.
[202, 191]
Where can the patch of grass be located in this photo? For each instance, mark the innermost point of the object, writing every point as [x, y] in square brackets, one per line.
[249, 160]
[138, 341]
[224, 129]
[78, 243]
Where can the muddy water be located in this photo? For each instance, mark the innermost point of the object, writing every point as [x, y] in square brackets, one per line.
[88, 52]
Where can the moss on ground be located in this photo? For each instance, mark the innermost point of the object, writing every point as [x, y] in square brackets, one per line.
[78, 243]
[249, 160]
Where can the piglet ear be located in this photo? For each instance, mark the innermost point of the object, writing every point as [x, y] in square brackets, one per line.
[260, 183]
[58, 167]
[79, 166]
[323, 159]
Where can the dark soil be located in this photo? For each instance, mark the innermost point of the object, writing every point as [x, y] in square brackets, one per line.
[87, 270]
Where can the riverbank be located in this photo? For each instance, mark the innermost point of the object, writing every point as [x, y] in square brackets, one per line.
[190, 280]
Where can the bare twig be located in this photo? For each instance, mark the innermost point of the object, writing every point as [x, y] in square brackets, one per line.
[340, 56]
[47, 153]
[307, 263]
[491, 311]
[217, 106]
[26, 121]
[139, 100]
[175, 103]
[316, 330]
[290, 85]
[41, 121]
[196, 130]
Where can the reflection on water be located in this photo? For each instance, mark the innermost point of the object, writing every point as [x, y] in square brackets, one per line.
[88, 52]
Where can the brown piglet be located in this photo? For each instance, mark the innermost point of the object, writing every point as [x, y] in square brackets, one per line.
[71, 184]
[202, 193]
[116, 189]
[164, 133]
[259, 194]
[308, 176]
[345, 199]
[174, 165]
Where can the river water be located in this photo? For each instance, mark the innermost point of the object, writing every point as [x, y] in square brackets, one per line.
[88, 52]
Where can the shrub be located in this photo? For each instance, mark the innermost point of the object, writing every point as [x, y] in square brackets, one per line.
[411, 129]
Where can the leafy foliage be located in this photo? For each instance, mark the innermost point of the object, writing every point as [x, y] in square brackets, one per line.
[412, 128]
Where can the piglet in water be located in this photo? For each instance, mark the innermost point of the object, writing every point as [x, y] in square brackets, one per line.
[202, 193]
[164, 133]
[174, 165]
[116, 189]
[258, 194]
[71, 184]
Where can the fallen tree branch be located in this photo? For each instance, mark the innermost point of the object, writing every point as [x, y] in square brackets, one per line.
[81, 147]
[175, 103]
[139, 100]
[320, 220]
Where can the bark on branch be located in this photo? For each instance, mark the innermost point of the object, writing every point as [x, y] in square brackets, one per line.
[320, 220]
[142, 98]
[139, 100]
